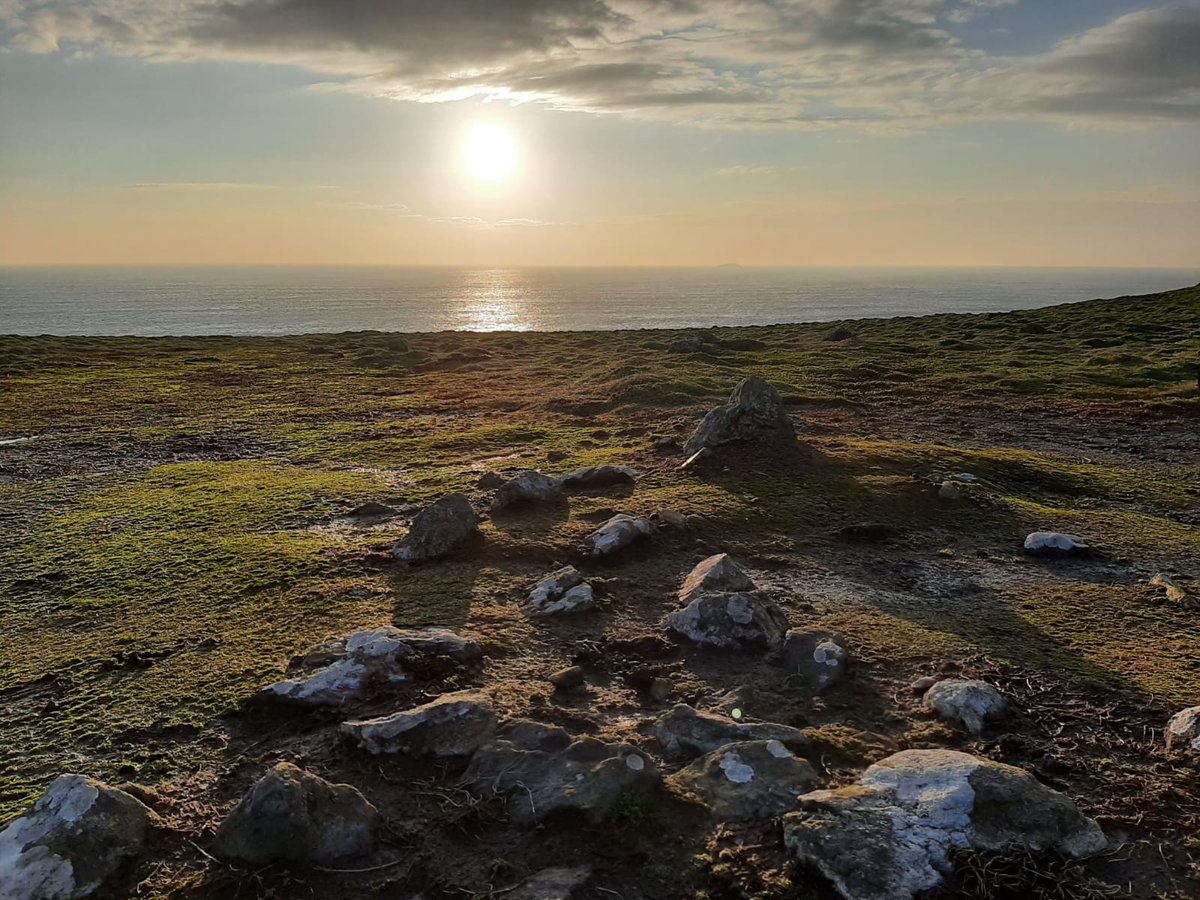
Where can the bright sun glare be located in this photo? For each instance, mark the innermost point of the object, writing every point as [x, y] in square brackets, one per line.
[490, 153]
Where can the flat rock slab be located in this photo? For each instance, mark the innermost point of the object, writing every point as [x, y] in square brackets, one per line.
[561, 592]
[717, 574]
[558, 883]
[1053, 543]
[76, 839]
[754, 411]
[598, 477]
[746, 781]
[966, 702]
[524, 488]
[451, 725]
[616, 534]
[438, 529]
[292, 816]
[890, 836]
[731, 620]
[685, 730]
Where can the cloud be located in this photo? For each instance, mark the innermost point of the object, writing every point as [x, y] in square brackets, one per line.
[191, 187]
[762, 63]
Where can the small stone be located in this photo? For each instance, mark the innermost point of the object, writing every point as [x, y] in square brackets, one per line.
[1053, 543]
[951, 490]
[970, 703]
[552, 884]
[598, 477]
[370, 513]
[731, 620]
[660, 689]
[489, 481]
[452, 725]
[921, 685]
[616, 534]
[688, 731]
[816, 658]
[292, 816]
[438, 528]
[666, 445]
[716, 574]
[568, 679]
[1183, 730]
[525, 488]
[669, 518]
[555, 456]
[745, 781]
[562, 592]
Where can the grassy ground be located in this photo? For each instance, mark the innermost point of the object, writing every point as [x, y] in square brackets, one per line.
[171, 533]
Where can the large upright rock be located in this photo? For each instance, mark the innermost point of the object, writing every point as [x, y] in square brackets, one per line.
[718, 573]
[737, 620]
[890, 836]
[438, 528]
[451, 725]
[292, 816]
[526, 487]
[74, 840]
[754, 410]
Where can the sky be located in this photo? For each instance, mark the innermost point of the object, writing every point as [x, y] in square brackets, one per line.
[641, 132]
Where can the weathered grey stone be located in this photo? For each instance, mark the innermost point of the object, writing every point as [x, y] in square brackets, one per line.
[559, 593]
[588, 776]
[685, 730]
[616, 534]
[489, 481]
[745, 781]
[559, 883]
[598, 476]
[370, 513]
[742, 619]
[339, 671]
[719, 574]
[452, 725]
[526, 734]
[968, 702]
[438, 528]
[1053, 543]
[76, 839]
[526, 487]
[889, 836]
[292, 816]
[1183, 730]
[816, 658]
[568, 679]
[754, 410]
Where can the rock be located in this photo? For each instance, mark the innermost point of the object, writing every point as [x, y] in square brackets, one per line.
[560, 593]
[817, 658]
[588, 776]
[667, 445]
[530, 735]
[889, 836]
[1183, 730]
[370, 513]
[921, 685]
[568, 679]
[746, 780]
[489, 481]
[669, 518]
[754, 410]
[1052, 543]
[696, 460]
[438, 528]
[841, 333]
[717, 574]
[687, 731]
[1173, 591]
[292, 816]
[968, 702]
[526, 487]
[616, 534]
[659, 689]
[686, 347]
[867, 533]
[556, 456]
[559, 883]
[951, 490]
[598, 477]
[77, 838]
[452, 725]
[342, 670]
[731, 620]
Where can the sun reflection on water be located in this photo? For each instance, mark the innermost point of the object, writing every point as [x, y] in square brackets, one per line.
[493, 300]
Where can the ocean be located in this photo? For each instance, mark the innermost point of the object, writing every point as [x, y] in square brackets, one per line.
[278, 300]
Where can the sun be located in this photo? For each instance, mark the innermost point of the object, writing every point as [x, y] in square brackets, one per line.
[489, 152]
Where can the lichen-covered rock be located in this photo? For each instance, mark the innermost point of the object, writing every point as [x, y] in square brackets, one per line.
[889, 836]
[1183, 730]
[746, 781]
[717, 574]
[1053, 543]
[587, 776]
[76, 839]
[526, 487]
[451, 725]
[559, 593]
[816, 658]
[598, 477]
[339, 671]
[616, 534]
[685, 730]
[293, 816]
[754, 410]
[438, 528]
[968, 702]
[742, 619]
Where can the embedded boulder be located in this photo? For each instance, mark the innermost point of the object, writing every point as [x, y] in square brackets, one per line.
[616, 534]
[754, 410]
[587, 776]
[1183, 730]
[731, 620]
[76, 839]
[341, 670]
[452, 725]
[968, 702]
[746, 781]
[1053, 543]
[564, 591]
[293, 816]
[558, 883]
[718, 573]
[890, 836]
[526, 488]
[817, 659]
[598, 477]
[438, 528]
[684, 730]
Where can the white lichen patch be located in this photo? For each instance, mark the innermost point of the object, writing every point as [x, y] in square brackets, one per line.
[735, 770]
